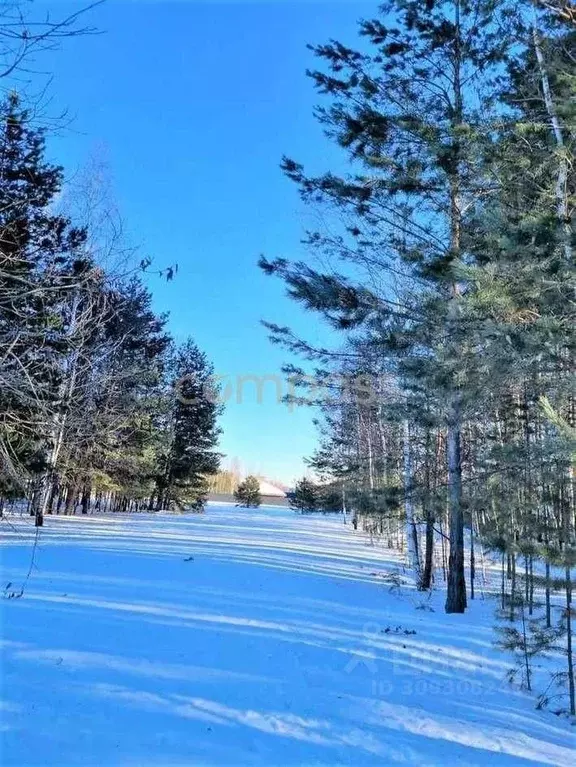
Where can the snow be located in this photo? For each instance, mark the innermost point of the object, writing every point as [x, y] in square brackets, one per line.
[246, 637]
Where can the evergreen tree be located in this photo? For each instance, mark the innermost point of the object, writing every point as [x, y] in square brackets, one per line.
[500, 346]
[187, 457]
[524, 281]
[248, 492]
[406, 111]
[305, 497]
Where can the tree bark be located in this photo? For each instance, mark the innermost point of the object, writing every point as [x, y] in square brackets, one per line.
[411, 529]
[456, 592]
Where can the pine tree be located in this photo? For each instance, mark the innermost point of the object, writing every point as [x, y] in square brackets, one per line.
[187, 457]
[406, 111]
[248, 493]
[305, 497]
[524, 281]
[527, 641]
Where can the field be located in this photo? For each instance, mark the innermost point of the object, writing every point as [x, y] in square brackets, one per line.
[246, 637]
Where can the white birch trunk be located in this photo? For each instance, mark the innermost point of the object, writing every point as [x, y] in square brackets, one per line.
[411, 529]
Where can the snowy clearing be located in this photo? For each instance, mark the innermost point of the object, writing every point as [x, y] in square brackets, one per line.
[241, 637]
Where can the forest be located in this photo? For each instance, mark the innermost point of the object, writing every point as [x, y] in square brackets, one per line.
[100, 409]
[448, 410]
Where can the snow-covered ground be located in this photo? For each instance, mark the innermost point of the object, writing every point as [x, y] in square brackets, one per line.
[241, 637]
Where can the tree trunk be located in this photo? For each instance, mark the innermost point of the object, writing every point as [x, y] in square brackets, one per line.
[70, 505]
[569, 654]
[561, 190]
[426, 581]
[86, 499]
[472, 562]
[547, 595]
[53, 495]
[513, 589]
[456, 593]
[411, 529]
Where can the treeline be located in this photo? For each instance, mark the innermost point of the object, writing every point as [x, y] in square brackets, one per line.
[99, 408]
[309, 497]
[447, 255]
[225, 481]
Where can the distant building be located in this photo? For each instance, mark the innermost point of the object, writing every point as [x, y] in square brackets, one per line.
[268, 490]
[272, 495]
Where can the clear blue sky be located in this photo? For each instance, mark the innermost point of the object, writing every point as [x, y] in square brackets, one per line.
[194, 104]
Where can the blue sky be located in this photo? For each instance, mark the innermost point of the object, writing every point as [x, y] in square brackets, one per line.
[193, 105]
